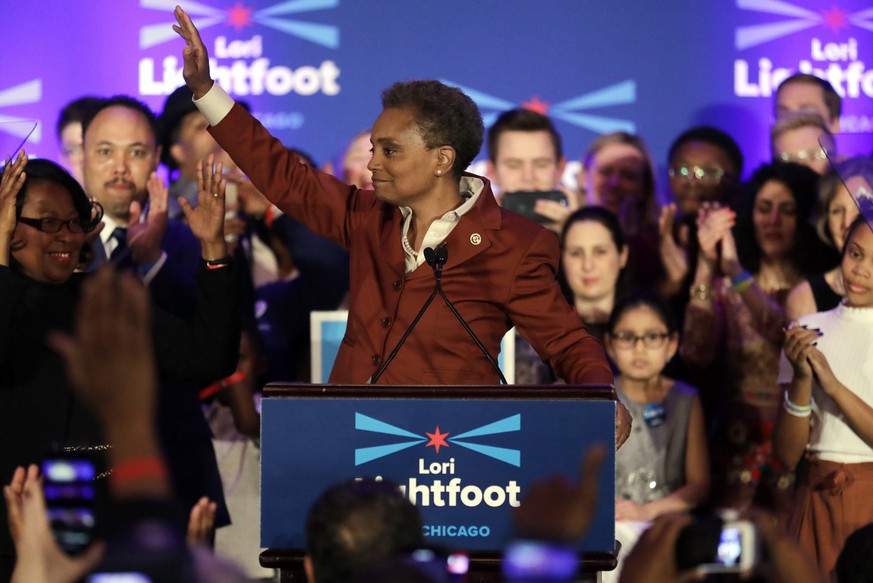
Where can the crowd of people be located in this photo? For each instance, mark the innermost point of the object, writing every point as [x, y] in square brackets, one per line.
[141, 319]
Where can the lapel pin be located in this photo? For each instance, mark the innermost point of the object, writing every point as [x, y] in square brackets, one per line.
[475, 238]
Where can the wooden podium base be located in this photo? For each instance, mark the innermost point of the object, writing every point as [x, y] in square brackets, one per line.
[484, 567]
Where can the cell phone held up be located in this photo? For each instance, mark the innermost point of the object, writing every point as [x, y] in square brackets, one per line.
[70, 494]
[523, 202]
[714, 545]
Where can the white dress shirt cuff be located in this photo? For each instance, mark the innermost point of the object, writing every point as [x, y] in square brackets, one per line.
[215, 105]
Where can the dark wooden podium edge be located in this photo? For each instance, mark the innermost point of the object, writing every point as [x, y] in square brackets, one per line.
[520, 392]
[480, 561]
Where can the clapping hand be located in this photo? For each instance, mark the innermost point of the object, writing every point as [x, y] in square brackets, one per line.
[713, 222]
[674, 257]
[144, 238]
[207, 220]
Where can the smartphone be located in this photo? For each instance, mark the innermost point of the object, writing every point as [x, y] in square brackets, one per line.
[737, 550]
[118, 578]
[70, 492]
[529, 560]
[441, 565]
[524, 201]
[718, 546]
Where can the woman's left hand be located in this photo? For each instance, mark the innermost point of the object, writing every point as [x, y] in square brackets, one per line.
[207, 220]
[821, 368]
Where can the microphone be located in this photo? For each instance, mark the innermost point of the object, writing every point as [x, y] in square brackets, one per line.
[436, 259]
[429, 255]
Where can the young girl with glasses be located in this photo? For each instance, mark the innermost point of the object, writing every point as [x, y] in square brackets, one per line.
[663, 467]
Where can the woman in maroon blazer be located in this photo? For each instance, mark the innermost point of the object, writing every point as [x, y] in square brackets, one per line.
[501, 267]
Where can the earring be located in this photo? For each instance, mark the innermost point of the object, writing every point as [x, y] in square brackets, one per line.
[439, 172]
[668, 359]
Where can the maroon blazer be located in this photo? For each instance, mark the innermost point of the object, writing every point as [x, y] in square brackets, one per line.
[501, 271]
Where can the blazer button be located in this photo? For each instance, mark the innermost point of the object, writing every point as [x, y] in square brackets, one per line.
[398, 284]
[386, 322]
[376, 359]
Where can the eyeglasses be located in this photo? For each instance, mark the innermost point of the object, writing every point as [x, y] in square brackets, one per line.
[51, 225]
[702, 175]
[811, 154]
[627, 340]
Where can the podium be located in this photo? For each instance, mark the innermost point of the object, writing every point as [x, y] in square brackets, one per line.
[464, 454]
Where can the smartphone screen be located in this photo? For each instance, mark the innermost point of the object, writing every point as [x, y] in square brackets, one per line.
[539, 561]
[69, 493]
[730, 548]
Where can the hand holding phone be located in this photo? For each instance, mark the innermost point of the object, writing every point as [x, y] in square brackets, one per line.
[524, 202]
[70, 492]
[713, 545]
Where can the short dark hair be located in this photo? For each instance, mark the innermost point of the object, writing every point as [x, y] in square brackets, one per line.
[522, 120]
[75, 111]
[809, 254]
[39, 170]
[129, 103]
[714, 136]
[831, 98]
[643, 299]
[358, 523]
[445, 115]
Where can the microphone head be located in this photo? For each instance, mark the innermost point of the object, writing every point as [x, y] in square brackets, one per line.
[442, 254]
[430, 256]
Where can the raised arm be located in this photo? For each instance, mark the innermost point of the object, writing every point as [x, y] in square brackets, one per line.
[195, 69]
[10, 185]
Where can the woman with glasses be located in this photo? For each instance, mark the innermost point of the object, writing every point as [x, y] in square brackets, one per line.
[735, 319]
[46, 225]
[797, 138]
[664, 466]
[705, 165]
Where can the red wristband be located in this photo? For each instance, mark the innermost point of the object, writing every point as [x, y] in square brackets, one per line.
[215, 387]
[138, 468]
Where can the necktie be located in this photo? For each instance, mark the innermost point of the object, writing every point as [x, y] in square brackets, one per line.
[121, 254]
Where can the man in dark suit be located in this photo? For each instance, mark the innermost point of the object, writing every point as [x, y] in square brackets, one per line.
[121, 155]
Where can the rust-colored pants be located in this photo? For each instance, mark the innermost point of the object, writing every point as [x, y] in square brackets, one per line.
[832, 501]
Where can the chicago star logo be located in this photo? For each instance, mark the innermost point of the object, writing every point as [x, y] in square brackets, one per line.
[438, 439]
[240, 16]
[20, 128]
[795, 19]
[574, 111]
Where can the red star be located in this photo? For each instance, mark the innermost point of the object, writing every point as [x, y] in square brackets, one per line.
[238, 16]
[535, 104]
[437, 439]
[835, 19]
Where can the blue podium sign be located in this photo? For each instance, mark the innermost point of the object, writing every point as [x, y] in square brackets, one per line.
[465, 462]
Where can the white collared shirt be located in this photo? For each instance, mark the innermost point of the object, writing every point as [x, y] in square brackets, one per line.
[436, 233]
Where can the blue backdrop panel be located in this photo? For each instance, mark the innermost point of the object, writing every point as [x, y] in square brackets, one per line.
[313, 69]
[465, 463]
